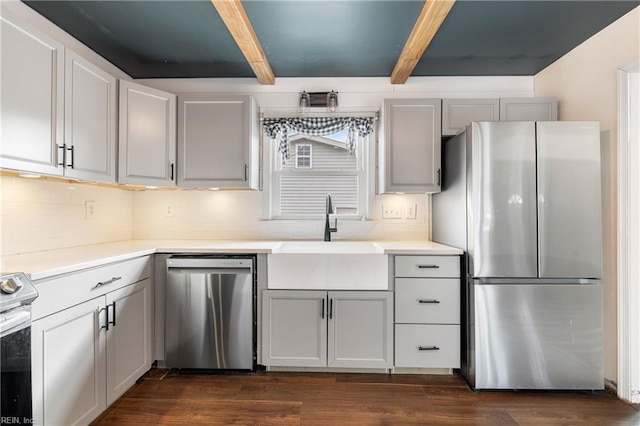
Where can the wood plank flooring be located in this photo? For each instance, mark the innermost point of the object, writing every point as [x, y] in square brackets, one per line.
[262, 398]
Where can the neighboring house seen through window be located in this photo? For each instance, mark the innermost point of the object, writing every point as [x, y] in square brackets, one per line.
[317, 166]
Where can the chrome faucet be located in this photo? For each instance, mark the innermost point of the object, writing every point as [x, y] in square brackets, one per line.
[327, 228]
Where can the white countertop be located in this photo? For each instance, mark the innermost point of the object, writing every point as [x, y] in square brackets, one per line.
[45, 264]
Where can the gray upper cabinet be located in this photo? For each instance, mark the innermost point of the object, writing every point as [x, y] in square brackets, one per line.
[528, 109]
[217, 141]
[412, 129]
[458, 113]
[147, 154]
[32, 99]
[90, 121]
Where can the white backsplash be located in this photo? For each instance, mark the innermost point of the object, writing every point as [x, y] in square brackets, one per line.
[239, 215]
[42, 215]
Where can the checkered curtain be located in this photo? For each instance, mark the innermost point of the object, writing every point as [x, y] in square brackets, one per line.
[278, 128]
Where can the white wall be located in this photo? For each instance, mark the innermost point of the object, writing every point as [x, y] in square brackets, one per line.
[585, 83]
[42, 215]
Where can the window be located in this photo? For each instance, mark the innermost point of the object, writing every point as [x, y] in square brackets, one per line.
[303, 156]
[317, 166]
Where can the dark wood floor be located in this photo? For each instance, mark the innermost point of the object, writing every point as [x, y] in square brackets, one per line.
[352, 399]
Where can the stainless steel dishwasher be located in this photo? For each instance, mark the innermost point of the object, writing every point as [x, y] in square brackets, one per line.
[210, 312]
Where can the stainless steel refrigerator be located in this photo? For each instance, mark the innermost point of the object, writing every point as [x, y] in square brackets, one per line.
[522, 199]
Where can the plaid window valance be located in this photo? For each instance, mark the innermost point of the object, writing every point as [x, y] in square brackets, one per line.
[278, 129]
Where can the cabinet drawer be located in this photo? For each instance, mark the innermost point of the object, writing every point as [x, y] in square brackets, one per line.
[61, 292]
[427, 346]
[427, 266]
[428, 300]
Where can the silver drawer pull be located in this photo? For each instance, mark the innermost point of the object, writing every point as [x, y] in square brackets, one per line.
[428, 301]
[428, 266]
[101, 283]
[428, 348]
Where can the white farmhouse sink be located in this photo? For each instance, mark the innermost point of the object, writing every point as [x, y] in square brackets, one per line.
[338, 265]
[337, 247]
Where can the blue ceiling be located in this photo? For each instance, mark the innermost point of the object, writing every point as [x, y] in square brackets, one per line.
[331, 38]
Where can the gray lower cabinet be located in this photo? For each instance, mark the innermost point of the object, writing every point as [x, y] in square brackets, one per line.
[217, 141]
[348, 329]
[411, 145]
[427, 322]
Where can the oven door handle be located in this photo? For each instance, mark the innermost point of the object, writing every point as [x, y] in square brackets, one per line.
[14, 320]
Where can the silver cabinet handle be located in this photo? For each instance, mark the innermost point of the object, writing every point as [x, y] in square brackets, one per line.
[428, 267]
[428, 348]
[428, 301]
[101, 283]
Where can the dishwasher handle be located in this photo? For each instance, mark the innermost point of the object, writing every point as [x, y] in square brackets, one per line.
[195, 270]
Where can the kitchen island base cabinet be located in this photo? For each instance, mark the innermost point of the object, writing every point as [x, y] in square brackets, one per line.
[86, 356]
[335, 329]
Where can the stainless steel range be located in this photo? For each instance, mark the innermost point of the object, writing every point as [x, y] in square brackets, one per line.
[16, 295]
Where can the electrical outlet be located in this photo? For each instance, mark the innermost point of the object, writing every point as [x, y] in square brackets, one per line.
[89, 209]
[412, 210]
[168, 210]
[391, 212]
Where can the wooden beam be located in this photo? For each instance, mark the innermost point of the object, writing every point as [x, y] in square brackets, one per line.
[235, 18]
[432, 16]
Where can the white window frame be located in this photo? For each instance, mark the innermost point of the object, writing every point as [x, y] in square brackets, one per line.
[366, 151]
[309, 156]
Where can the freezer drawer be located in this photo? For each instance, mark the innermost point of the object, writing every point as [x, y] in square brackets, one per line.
[428, 300]
[536, 336]
[427, 346]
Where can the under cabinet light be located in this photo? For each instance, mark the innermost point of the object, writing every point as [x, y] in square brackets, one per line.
[30, 175]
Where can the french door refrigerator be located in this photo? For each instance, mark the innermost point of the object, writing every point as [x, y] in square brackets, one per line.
[523, 200]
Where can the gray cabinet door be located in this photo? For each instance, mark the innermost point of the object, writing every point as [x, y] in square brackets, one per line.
[459, 113]
[129, 341]
[412, 145]
[294, 328]
[32, 94]
[528, 109]
[69, 365]
[147, 128]
[90, 120]
[217, 141]
[360, 329]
